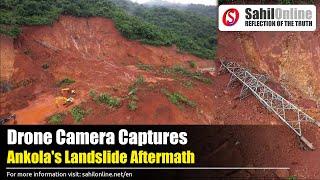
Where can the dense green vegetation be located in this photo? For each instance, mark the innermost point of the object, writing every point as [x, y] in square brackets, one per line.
[192, 27]
[57, 118]
[267, 2]
[108, 100]
[134, 8]
[191, 32]
[105, 98]
[296, 2]
[209, 11]
[78, 113]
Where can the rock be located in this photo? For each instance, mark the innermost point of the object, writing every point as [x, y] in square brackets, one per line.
[282, 173]
[213, 74]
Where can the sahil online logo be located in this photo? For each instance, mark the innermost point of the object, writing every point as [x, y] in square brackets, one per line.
[230, 17]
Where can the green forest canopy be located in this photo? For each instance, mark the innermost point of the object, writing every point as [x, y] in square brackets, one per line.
[191, 32]
[265, 2]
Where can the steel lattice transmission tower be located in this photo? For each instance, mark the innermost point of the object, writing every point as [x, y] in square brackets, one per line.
[254, 84]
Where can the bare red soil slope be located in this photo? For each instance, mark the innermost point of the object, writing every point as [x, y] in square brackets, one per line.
[93, 53]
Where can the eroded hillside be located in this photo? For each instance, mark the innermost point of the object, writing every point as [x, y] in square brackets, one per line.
[290, 58]
[93, 53]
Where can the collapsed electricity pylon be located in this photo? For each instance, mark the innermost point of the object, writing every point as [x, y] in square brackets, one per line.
[254, 84]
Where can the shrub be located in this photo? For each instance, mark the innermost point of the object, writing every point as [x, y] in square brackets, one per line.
[177, 69]
[292, 178]
[92, 93]
[132, 93]
[10, 31]
[132, 106]
[202, 78]
[145, 67]
[166, 70]
[139, 80]
[78, 113]
[192, 64]
[178, 99]
[57, 118]
[188, 84]
[181, 70]
[286, 1]
[65, 82]
[134, 97]
[106, 99]
[132, 90]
